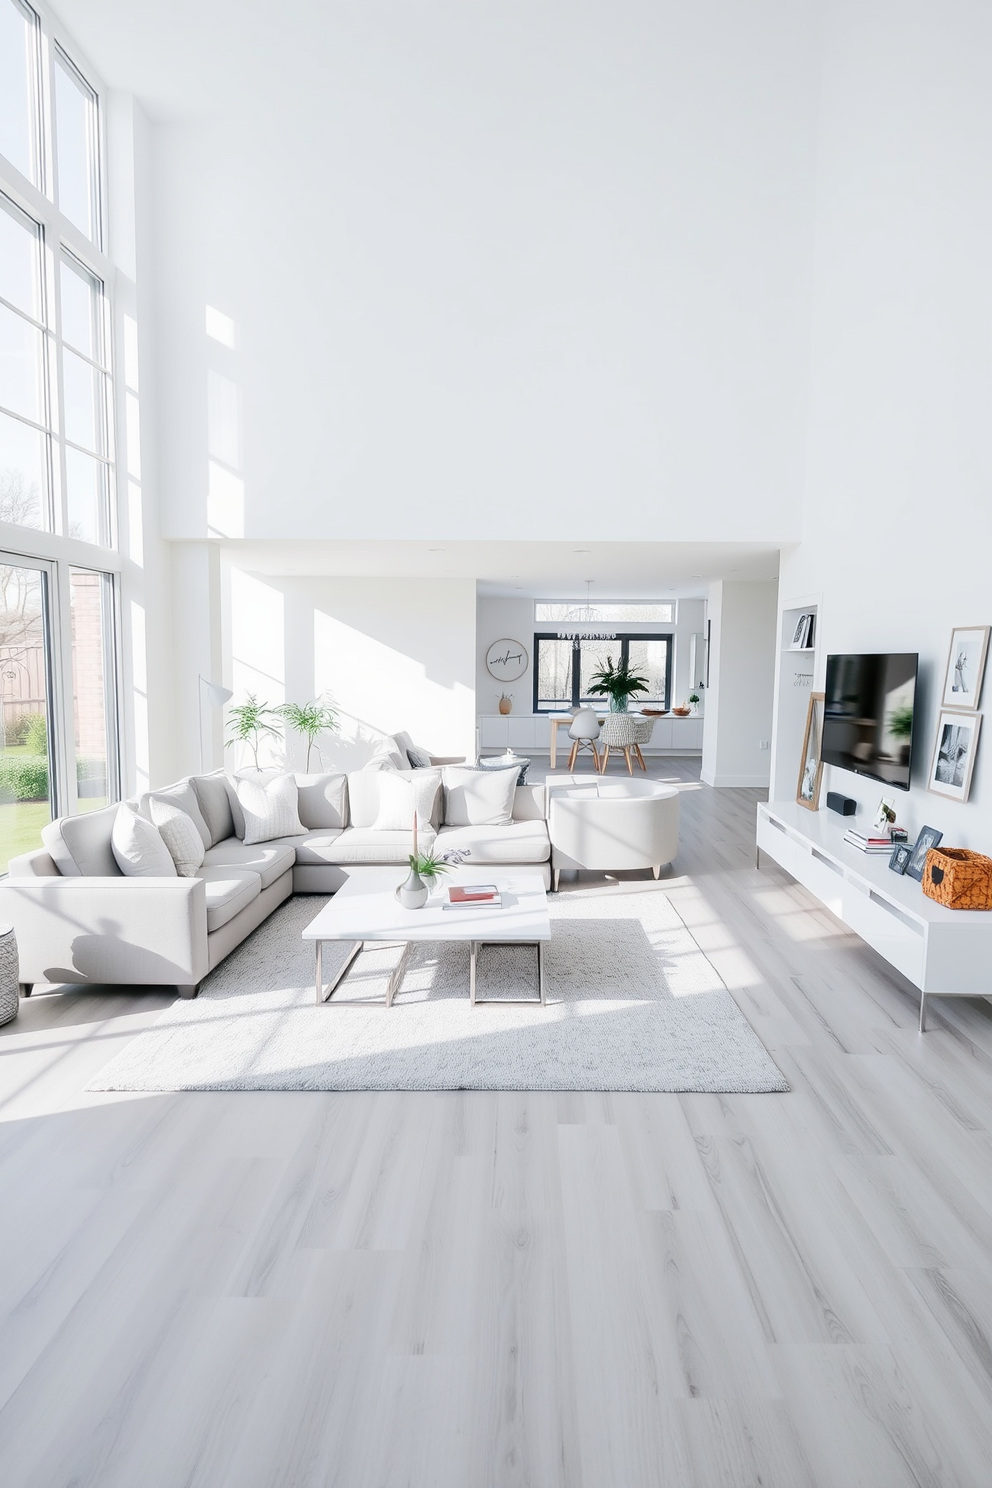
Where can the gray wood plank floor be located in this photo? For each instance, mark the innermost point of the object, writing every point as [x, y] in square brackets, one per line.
[400, 1290]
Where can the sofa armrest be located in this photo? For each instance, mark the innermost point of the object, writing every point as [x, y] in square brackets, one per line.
[147, 931]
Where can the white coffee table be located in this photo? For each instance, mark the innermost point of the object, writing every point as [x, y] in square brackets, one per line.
[365, 909]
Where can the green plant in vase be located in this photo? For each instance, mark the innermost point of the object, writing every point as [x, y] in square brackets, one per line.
[617, 682]
[248, 723]
[311, 720]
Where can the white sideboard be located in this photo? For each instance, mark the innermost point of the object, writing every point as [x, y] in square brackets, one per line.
[943, 952]
[531, 732]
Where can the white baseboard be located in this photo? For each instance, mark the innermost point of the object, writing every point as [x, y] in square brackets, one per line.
[730, 780]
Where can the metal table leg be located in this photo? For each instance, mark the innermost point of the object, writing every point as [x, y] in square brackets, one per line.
[323, 996]
[540, 1000]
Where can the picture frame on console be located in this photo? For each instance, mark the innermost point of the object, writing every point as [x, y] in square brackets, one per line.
[917, 860]
[811, 761]
[901, 854]
[965, 667]
[954, 751]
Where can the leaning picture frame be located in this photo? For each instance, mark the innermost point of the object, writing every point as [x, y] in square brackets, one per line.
[917, 860]
[965, 667]
[811, 761]
[954, 751]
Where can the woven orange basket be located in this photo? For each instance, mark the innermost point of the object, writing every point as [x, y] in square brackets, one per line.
[958, 878]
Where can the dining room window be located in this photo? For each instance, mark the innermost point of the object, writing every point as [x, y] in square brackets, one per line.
[564, 668]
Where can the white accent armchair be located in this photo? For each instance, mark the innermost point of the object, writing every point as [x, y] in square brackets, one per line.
[612, 825]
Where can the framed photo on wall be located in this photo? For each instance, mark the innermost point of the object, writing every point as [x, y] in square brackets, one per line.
[811, 762]
[965, 667]
[954, 754]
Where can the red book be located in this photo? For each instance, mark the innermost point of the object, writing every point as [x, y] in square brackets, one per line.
[472, 893]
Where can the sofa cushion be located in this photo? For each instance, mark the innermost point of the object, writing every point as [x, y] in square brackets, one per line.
[363, 796]
[313, 849]
[323, 800]
[215, 805]
[420, 759]
[269, 860]
[138, 847]
[271, 807]
[516, 842]
[81, 845]
[363, 845]
[403, 792]
[228, 890]
[477, 797]
[184, 796]
[179, 834]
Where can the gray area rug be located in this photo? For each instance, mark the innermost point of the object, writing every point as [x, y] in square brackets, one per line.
[633, 1004]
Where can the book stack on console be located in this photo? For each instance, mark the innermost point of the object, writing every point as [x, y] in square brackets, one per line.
[472, 896]
[878, 843]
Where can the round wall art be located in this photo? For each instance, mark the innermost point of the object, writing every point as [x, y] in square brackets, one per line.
[506, 660]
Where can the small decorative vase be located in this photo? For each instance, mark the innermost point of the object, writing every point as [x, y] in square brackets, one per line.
[505, 705]
[413, 893]
[618, 705]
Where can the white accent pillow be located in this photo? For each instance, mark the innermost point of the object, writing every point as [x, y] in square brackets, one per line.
[138, 847]
[271, 807]
[402, 795]
[180, 835]
[478, 798]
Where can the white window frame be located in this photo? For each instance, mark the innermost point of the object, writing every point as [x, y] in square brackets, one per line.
[54, 549]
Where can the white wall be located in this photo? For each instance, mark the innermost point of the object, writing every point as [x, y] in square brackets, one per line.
[743, 631]
[391, 653]
[510, 263]
[898, 506]
[500, 616]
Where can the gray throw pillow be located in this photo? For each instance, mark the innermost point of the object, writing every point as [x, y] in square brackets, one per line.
[419, 758]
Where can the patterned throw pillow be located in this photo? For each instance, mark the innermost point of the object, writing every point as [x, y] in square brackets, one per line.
[179, 834]
[270, 804]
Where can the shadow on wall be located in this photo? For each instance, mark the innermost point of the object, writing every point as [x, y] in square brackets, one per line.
[389, 654]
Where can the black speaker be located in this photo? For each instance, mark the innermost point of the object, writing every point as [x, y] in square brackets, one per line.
[843, 805]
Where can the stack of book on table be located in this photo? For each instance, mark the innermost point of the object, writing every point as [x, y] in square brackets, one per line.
[877, 843]
[472, 896]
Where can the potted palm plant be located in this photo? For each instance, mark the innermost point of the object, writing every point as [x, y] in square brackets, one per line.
[310, 720]
[618, 683]
[249, 722]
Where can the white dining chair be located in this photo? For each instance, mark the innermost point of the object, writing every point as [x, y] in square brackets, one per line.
[584, 732]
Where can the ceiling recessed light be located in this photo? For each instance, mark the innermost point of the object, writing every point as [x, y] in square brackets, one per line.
[437, 550]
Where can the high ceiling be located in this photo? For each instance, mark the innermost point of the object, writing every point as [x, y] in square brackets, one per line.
[619, 570]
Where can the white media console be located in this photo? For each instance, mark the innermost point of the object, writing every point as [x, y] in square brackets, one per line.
[943, 952]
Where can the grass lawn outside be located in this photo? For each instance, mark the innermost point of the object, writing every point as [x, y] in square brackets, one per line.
[20, 828]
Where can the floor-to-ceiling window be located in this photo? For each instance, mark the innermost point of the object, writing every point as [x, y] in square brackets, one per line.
[59, 727]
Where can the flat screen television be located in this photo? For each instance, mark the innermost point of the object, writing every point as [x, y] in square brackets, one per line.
[868, 715]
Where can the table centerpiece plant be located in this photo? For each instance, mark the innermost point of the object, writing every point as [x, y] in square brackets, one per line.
[617, 682]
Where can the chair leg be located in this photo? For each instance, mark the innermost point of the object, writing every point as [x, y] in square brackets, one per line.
[657, 871]
[595, 752]
[640, 758]
[626, 755]
[604, 759]
[572, 755]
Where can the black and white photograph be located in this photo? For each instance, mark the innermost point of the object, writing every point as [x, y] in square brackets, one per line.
[917, 860]
[954, 754]
[965, 667]
[901, 854]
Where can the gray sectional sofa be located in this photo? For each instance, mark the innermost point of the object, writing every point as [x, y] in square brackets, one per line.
[78, 918]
